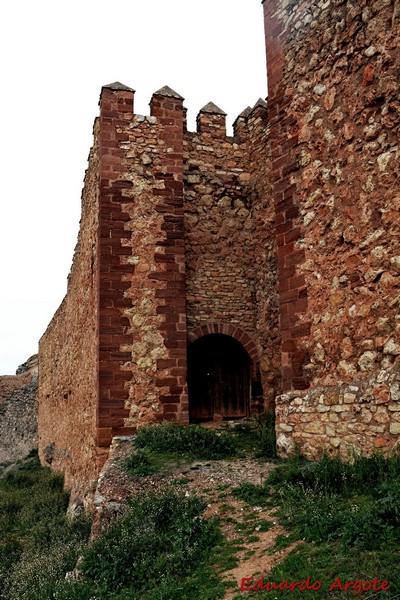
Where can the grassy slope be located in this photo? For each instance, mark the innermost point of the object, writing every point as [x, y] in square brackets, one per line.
[346, 516]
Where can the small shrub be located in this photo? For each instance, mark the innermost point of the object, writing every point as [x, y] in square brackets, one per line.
[252, 493]
[265, 431]
[138, 464]
[38, 543]
[161, 538]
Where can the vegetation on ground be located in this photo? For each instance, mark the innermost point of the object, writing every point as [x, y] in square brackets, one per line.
[38, 543]
[346, 516]
[160, 446]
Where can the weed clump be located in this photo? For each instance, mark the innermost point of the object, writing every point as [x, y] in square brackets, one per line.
[192, 440]
[138, 464]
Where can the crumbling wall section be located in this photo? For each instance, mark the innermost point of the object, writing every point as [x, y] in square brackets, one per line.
[18, 422]
[333, 70]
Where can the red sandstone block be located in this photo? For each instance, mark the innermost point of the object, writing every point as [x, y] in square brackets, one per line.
[288, 296]
[284, 251]
[122, 184]
[279, 219]
[114, 339]
[170, 408]
[292, 213]
[120, 357]
[121, 376]
[288, 322]
[120, 394]
[165, 363]
[301, 330]
[170, 416]
[289, 346]
[165, 381]
[251, 349]
[123, 431]
[112, 405]
[175, 390]
[169, 398]
[103, 437]
[171, 277]
[285, 227]
[295, 258]
[292, 142]
[178, 371]
[300, 383]
[296, 282]
[289, 191]
[120, 412]
[111, 422]
[298, 307]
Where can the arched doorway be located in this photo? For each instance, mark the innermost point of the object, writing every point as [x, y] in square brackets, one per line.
[218, 378]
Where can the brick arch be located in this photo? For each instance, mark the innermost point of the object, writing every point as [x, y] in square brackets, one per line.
[232, 330]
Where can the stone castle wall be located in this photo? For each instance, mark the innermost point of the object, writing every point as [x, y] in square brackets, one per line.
[285, 237]
[166, 252]
[230, 252]
[333, 69]
[68, 378]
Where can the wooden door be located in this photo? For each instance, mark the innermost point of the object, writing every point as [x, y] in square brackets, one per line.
[218, 378]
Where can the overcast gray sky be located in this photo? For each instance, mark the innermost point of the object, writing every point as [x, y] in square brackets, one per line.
[55, 58]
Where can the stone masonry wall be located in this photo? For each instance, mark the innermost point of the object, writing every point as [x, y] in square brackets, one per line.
[226, 261]
[220, 278]
[264, 257]
[168, 242]
[333, 69]
[142, 352]
[68, 356]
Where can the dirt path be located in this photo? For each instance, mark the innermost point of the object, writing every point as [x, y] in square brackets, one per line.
[240, 522]
[254, 529]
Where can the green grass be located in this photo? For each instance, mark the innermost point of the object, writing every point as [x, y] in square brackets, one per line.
[139, 464]
[256, 436]
[189, 440]
[161, 447]
[252, 494]
[347, 517]
[162, 548]
[38, 544]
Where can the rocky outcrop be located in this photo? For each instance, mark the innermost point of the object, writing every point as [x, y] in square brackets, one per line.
[18, 412]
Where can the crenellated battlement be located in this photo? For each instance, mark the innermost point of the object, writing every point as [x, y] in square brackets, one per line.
[210, 120]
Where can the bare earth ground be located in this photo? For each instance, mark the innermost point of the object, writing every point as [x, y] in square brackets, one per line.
[214, 481]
